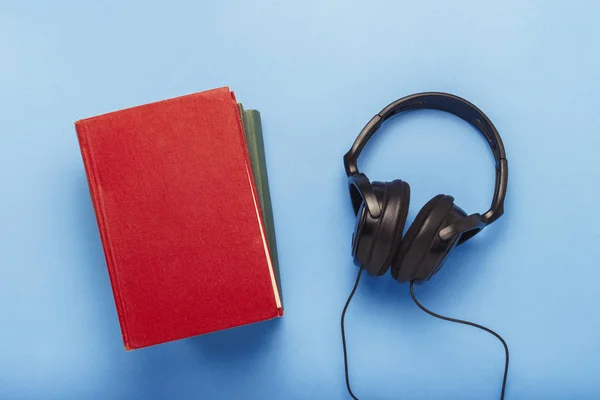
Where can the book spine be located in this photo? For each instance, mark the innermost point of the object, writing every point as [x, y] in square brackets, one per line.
[258, 209]
[98, 205]
[254, 125]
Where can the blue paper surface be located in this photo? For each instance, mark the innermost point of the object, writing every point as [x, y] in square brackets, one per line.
[317, 71]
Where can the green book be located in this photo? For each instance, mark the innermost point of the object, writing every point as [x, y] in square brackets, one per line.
[256, 149]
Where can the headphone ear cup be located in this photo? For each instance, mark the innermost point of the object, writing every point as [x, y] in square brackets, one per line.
[369, 232]
[365, 231]
[375, 239]
[391, 226]
[413, 259]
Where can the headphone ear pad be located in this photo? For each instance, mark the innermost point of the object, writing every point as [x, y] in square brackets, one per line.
[411, 257]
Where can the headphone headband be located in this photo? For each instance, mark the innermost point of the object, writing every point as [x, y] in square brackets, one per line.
[460, 108]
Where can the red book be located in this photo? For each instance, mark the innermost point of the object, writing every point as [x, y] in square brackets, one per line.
[179, 218]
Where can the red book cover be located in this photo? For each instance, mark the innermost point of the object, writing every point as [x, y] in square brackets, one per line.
[179, 218]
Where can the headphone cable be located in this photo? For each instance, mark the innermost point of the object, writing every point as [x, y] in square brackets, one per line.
[459, 321]
[412, 294]
[344, 332]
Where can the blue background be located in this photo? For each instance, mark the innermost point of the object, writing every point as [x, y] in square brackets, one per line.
[317, 71]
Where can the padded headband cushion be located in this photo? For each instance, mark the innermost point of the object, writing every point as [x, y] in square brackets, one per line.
[419, 237]
[391, 223]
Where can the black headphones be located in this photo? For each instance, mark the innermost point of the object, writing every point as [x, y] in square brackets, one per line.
[381, 208]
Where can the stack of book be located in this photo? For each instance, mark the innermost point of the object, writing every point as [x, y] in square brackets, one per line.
[181, 196]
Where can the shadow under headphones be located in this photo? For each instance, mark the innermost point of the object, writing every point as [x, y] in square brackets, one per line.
[381, 208]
